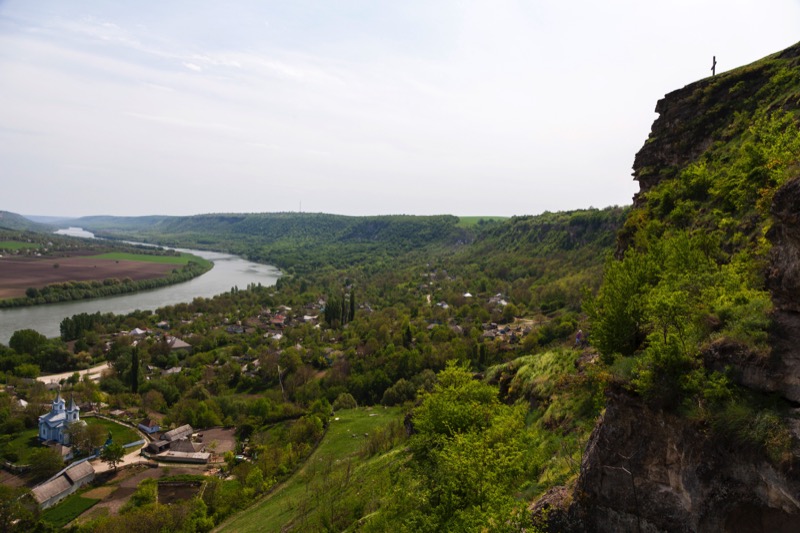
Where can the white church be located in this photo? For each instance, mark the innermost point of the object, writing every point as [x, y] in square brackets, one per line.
[53, 424]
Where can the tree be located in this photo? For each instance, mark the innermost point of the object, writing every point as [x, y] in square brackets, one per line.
[618, 312]
[86, 437]
[113, 454]
[45, 462]
[14, 516]
[135, 371]
[27, 341]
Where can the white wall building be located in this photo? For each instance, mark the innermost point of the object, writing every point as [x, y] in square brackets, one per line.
[53, 424]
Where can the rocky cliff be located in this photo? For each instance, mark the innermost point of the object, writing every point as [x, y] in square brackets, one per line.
[646, 469]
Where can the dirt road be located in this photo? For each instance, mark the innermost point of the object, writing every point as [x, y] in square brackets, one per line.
[94, 374]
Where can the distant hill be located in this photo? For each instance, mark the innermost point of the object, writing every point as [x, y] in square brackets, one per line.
[300, 240]
[50, 220]
[17, 222]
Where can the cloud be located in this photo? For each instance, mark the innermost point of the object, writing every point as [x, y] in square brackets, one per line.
[483, 107]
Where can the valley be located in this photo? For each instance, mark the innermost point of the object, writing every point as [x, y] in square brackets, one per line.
[618, 369]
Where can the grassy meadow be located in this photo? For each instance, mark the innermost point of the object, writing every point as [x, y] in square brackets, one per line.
[16, 245]
[335, 482]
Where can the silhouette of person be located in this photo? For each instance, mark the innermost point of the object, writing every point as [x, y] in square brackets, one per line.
[714, 66]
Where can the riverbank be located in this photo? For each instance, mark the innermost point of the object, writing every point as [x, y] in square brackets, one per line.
[45, 281]
[229, 271]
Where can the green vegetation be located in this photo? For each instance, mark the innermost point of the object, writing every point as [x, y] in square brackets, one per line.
[15, 222]
[181, 259]
[119, 434]
[68, 510]
[48, 246]
[17, 448]
[468, 222]
[16, 245]
[693, 272]
[468, 327]
[335, 487]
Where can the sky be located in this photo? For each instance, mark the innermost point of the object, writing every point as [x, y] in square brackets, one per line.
[356, 107]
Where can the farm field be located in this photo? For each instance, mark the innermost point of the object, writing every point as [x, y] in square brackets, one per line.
[16, 245]
[63, 513]
[17, 274]
[148, 258]
[118, 490]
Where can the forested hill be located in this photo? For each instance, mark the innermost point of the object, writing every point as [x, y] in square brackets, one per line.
[13, 221]
[289, 240]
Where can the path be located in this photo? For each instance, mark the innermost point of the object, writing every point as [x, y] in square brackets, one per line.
[129, 459]
[94, 374]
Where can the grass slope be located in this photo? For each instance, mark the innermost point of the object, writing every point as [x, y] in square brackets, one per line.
[332, 474]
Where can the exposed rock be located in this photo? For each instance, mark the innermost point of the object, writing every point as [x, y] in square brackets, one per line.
[780, 371]
[645, 470]
[783, 275]
[691, 119]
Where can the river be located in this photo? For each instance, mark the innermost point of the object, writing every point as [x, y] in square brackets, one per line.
[229, 271]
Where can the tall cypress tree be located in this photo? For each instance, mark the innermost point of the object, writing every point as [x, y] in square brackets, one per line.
[135, 370]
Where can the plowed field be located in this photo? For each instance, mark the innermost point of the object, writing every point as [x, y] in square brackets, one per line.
[17, 274]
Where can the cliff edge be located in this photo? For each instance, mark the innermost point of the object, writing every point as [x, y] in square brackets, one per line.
[721, 164]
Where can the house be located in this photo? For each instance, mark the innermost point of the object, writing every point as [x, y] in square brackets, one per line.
[182, 432]
[68, 481]
[64, 451]
[177, 344]
[186, 446]
[53, 424]
[184, 457]
[149, 426]
[157, 446]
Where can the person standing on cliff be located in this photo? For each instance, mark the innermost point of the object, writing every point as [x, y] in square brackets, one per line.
[714, 66]
[579, 337]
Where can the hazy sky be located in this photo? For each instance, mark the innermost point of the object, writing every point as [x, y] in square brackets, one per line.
[354, 107]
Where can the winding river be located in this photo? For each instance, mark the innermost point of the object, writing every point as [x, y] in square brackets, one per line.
[229, 271]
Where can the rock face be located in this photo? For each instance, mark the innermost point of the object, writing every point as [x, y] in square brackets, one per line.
[692, 118]
[780, 371]
[652, 471]
[783, 276]
[645, 470]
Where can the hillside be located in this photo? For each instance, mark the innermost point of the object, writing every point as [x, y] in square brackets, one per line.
[13, 221]
[303, 241]
[698, 323]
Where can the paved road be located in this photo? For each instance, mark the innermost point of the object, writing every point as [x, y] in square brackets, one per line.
[94, 374]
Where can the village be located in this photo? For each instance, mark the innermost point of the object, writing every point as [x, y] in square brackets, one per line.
[175, 347]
